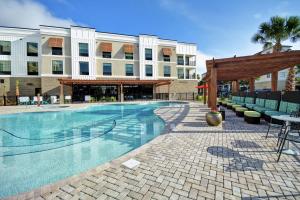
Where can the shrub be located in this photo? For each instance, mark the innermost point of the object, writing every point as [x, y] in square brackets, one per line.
[103, 99]
[113, 99]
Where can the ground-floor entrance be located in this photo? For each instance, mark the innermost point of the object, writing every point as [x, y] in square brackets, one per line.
[109, 92]
[97, 92]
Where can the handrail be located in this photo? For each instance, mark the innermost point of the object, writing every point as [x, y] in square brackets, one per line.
[105, 132]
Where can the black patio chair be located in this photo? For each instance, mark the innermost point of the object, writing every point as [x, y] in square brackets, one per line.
[293, 135]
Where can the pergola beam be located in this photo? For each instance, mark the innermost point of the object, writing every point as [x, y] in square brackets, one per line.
[247, 68]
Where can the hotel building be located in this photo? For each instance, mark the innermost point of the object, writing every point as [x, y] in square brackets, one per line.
[264, 82]
[80, 61]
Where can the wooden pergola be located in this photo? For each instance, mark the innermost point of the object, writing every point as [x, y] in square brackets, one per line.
[246, 68]
[119, 82]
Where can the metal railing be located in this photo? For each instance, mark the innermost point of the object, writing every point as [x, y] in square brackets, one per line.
[187, 96]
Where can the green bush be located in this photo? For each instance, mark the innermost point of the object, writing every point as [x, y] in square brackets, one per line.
[103, 99]
[113, 99]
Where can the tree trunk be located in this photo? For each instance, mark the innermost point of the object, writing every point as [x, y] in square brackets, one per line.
[290, 80]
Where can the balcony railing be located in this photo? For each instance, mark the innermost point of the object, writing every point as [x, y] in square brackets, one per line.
[190, 76]
[191, 63]
[180, 62]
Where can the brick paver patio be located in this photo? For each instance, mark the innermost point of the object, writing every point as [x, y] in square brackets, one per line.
[192, 161]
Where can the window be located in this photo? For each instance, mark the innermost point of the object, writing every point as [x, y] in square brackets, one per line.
[5, 67]
[180, 60]
[84, 68]
[32, 49]
[166, 58]
[129, 56]
[148, 70]
[180, 73]
[32, 68]
[57, 67]
[148, 54]
[5, 47]
[187, 60]
[57, 51]
[129, 69]
[268, 75]
[106, 54]
[107, 69]
[84, 49]
[282, 74]
[167, 71]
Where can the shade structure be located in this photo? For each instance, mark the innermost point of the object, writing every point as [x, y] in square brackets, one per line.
[55, 42]
[106, 47]
[246, 68]
[167, 51]
[128, 48]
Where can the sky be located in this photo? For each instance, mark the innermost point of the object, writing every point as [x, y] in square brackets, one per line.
[219, 28]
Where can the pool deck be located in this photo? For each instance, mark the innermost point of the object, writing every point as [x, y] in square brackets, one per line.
[190, 161]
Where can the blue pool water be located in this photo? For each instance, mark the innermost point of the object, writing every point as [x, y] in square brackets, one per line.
[42, 148]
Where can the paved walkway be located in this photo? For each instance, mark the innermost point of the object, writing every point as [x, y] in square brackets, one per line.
[192, 161]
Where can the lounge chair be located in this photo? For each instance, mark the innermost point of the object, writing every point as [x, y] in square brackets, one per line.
[68, 99]
[24, 101]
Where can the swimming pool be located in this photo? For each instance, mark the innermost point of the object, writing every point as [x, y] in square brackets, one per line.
[41, 148]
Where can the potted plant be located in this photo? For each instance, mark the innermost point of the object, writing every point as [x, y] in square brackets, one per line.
[213, 118]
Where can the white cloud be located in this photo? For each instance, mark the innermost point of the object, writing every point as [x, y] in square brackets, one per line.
[201, 61]
[29, 14]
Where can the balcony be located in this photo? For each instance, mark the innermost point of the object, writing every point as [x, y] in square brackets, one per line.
[191, 63]
[190, 76]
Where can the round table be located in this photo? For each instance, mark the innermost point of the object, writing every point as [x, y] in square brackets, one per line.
[288, 120]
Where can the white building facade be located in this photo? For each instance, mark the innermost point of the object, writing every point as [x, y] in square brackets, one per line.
[37, 59]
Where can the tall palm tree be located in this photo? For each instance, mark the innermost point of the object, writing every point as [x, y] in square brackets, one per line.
[274, 32]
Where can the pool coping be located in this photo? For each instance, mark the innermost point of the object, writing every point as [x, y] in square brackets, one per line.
[19, 109]
[115, 162]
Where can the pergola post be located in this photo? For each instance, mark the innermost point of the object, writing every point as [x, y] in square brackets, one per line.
[154, 91]
[213, 87]
[61, 96]
[235, 86]
[122, 93]
[274, 81]
[168, 91]
[209, 93]
[251, 84]
[204, 94]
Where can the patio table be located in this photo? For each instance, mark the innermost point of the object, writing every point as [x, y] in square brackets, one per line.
[288, 120]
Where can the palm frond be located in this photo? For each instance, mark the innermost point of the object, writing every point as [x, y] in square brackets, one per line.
[292, 24]
[267, 45]
[258, 38]
[278, 27]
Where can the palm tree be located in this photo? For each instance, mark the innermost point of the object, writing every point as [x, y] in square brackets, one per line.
[274, 32]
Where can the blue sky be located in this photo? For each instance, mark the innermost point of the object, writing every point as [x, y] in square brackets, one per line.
[220, 28]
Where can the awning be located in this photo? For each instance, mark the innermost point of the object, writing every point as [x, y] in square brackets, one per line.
[167, 51]
[106, 47]
[55, 42]
[128, 48]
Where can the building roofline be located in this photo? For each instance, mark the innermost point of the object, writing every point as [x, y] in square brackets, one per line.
[33, 29]
[87, 27]
[36, 29]
[54, 26]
